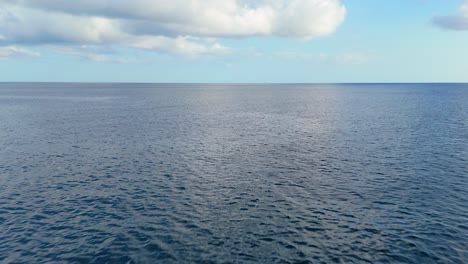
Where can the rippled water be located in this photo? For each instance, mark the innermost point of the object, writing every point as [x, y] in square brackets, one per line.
[122, 173]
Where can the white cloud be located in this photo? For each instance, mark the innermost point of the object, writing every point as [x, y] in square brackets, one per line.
[185, 27]
[354, 58]
[32, 26]
[9, 51]
[343, 58]
[289, 18]
[292, 55]
[179, 45]
[98, 54]
[457, 21]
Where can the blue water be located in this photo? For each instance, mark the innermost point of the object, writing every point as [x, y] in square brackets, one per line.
[153, 173]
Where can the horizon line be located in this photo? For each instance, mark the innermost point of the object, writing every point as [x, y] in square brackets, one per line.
[223, 83]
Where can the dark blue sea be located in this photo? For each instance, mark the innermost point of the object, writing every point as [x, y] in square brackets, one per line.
[214, 173]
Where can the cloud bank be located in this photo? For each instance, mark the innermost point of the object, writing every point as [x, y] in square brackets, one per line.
[186, 27]
[457, 21]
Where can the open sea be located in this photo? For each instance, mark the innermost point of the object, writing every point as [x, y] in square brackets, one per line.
[215, 173]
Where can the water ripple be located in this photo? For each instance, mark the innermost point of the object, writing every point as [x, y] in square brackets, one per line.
[233, 174]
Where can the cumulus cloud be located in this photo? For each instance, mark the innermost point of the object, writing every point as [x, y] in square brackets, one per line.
[290, 18]
[185, 27]
[457, 21]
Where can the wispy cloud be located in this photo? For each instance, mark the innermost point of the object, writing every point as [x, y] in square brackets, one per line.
[96, 53]
[10, 51]
[354, 58]
[301, 56]
[344, 58]
[456, 21]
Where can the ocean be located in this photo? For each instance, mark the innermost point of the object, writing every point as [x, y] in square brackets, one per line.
[233, 173]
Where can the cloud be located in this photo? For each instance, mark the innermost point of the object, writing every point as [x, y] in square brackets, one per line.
[456, 21]
[9, 51]
[185, 27]
[292, 55]
[179, 45]
[354, 58]
[343, 58]
[227, 18]
[95, 53]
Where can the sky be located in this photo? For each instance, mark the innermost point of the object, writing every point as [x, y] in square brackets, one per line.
[234, 41]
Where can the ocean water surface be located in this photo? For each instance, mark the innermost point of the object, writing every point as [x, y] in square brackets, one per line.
[195, 173]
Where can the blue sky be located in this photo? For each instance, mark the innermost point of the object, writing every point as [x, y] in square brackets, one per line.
[234, 41]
